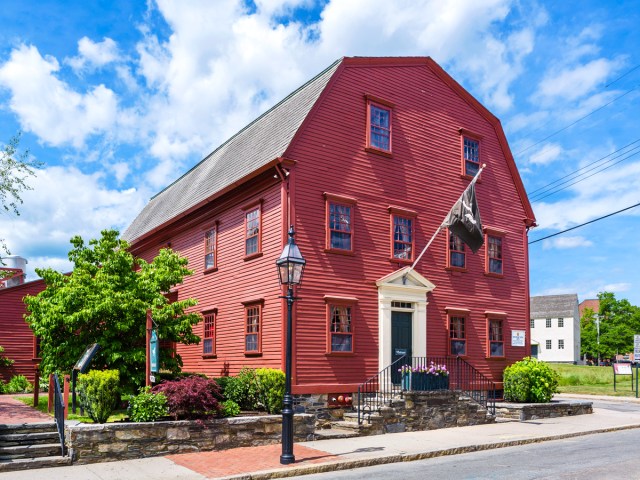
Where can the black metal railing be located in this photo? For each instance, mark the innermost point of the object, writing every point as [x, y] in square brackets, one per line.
[58, 410]
[390, 383]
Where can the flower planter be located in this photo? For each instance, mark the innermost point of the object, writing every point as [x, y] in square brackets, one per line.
[421, 381]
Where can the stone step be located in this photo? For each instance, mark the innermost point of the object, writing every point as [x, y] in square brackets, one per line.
[336, 431]
[16, 464]
[14, 439]
[30, 451]
[10, 429]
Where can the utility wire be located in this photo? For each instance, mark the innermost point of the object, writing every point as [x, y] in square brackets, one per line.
[583, 224]
[553, 192]
[544, 187]
[622, 76]
[578, 120]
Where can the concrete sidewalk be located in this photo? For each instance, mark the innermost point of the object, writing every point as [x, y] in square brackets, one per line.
[330, 455]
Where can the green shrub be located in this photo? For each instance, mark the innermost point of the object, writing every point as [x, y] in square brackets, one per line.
[18, 384]
[242, 389]
[222, 383]
[270, 389]
[98, 392]
[4, 361]
[146, 406]
[230, 409]
[530, 380]
[3, 387]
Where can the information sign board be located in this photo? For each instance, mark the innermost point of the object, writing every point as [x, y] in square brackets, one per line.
[517, 338]
[636, 348]
[622, 369]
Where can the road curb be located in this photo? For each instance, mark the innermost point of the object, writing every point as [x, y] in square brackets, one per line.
[409, 457]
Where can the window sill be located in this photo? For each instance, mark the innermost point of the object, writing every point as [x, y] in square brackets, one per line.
[455, 269]
[210, 270]
[464, 176]
[496, 358]
[209, 355]
[400, 260]
[339, 354]
[494, 275]
[252, 256]
[349, 253]
[377, 151]
[252, 354]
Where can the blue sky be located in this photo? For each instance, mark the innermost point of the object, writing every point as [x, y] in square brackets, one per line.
[118, 98]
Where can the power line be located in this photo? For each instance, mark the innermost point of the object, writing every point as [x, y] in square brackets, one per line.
[622, 76]
[583, 224]
[544, 187]
[538, 198]
[577, 121]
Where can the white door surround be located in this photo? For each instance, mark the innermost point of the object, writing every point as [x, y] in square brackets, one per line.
[413, 290]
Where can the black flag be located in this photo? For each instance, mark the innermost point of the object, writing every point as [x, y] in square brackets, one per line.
[464, 219]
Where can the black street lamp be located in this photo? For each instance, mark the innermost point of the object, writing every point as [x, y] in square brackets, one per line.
[290, 268]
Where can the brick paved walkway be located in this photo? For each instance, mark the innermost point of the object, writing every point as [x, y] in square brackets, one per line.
[14, 411]
[247, 459]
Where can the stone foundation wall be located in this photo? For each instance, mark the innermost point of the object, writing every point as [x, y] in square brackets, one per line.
[428, 410]
[88, 443]
[535, 411]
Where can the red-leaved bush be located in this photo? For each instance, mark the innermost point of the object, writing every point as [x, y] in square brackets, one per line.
[191, 397]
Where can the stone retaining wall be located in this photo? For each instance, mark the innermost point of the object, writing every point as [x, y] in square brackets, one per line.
[89, 443]
[535, 411]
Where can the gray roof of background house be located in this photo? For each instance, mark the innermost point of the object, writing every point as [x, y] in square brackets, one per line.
[554, 306]
[257, 144]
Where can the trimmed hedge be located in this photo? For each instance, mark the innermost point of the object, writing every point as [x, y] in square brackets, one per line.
[530, 381]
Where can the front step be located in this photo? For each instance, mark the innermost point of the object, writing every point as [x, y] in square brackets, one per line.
[16, 464]
[336, 431]
[29, 451]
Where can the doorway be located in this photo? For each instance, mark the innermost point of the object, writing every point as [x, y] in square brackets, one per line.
[401, 340]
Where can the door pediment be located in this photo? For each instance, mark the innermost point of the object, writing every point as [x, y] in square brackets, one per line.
[407, 279]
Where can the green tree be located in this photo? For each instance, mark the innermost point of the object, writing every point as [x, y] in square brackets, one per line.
[104, 300]
[15, 169]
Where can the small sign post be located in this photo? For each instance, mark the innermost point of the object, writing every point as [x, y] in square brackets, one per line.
[636, 357]
[622, 369]
[81, 367]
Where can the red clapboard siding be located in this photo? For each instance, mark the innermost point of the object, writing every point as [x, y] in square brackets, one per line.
[15, 335]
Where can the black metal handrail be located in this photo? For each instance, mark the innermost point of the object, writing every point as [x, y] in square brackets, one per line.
[58, 410]
[390, 383]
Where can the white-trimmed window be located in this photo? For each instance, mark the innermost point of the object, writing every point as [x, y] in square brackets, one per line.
[548, 344]
[560, 322]
[209, 334]
[548, 323]
[560, 344]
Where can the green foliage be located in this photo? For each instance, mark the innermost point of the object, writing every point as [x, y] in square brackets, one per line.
[230, 409]
[105, 300]
[98, 392]
[618, 322]
[270, 388]
[18, 384]
[191, 397]
[222, 383]
[4, 361]
[530, 381]
[3, 387]
[146, 406]
[243, 390]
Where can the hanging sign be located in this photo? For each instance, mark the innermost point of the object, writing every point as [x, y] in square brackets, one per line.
[155, 352]
[517, 338]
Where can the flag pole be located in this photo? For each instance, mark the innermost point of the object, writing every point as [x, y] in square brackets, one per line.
[473, 181]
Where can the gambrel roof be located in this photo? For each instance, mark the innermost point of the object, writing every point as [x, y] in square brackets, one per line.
[554, 306]
[255, 146]
[264, 142]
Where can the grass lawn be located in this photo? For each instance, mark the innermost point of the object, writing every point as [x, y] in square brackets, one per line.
[42, 407]
[583, 379]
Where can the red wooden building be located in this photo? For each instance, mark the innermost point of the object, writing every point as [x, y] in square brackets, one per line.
[365, 160]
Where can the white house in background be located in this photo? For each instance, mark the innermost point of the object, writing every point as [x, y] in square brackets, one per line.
[555, 328]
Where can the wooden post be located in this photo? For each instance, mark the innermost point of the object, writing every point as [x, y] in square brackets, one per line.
[147, 376]
[51, 390]
[36, 386]
[65, 397]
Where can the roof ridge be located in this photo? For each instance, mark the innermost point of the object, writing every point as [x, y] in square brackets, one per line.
[235, 135]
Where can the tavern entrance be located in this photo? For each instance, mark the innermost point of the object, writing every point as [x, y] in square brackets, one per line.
[401, 339]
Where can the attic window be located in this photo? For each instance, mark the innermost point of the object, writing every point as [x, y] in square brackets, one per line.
[379, 122]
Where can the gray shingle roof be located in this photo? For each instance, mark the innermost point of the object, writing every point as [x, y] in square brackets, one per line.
[257, 144]
[554, 306]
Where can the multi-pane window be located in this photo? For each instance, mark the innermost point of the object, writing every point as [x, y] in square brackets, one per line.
[252, 231]
[402, 238]
[340, 328]
[209, 337]
[561, 322]
[494, 254]
[253, 328]
[560, 344]
[471, 155]
[457, 335]
[340, 226]
[548, 323]
[457, 257]
[379, 127]
[548, 344]
[496, 341]
[532, 323]
[210, 249]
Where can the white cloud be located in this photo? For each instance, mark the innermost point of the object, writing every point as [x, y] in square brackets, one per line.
[573, 83]
[94, 55]
[616, 287]
[549, 153]
[47, 106]
[566, 242]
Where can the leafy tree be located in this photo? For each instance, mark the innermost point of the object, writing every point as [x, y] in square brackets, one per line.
[619, 322]
[104, 300]
[15, 169]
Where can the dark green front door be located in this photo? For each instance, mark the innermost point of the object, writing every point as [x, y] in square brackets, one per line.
[400, 340]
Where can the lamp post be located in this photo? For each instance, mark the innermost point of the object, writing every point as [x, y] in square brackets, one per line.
[290, 267]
